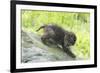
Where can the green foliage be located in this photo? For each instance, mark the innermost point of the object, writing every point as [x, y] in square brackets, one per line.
[79, 23]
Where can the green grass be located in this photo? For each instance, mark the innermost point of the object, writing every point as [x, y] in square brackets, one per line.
[79, 23]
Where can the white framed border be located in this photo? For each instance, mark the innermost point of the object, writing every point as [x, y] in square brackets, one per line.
[20, 65]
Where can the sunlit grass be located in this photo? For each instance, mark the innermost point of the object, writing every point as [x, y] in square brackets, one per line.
[79, 23]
